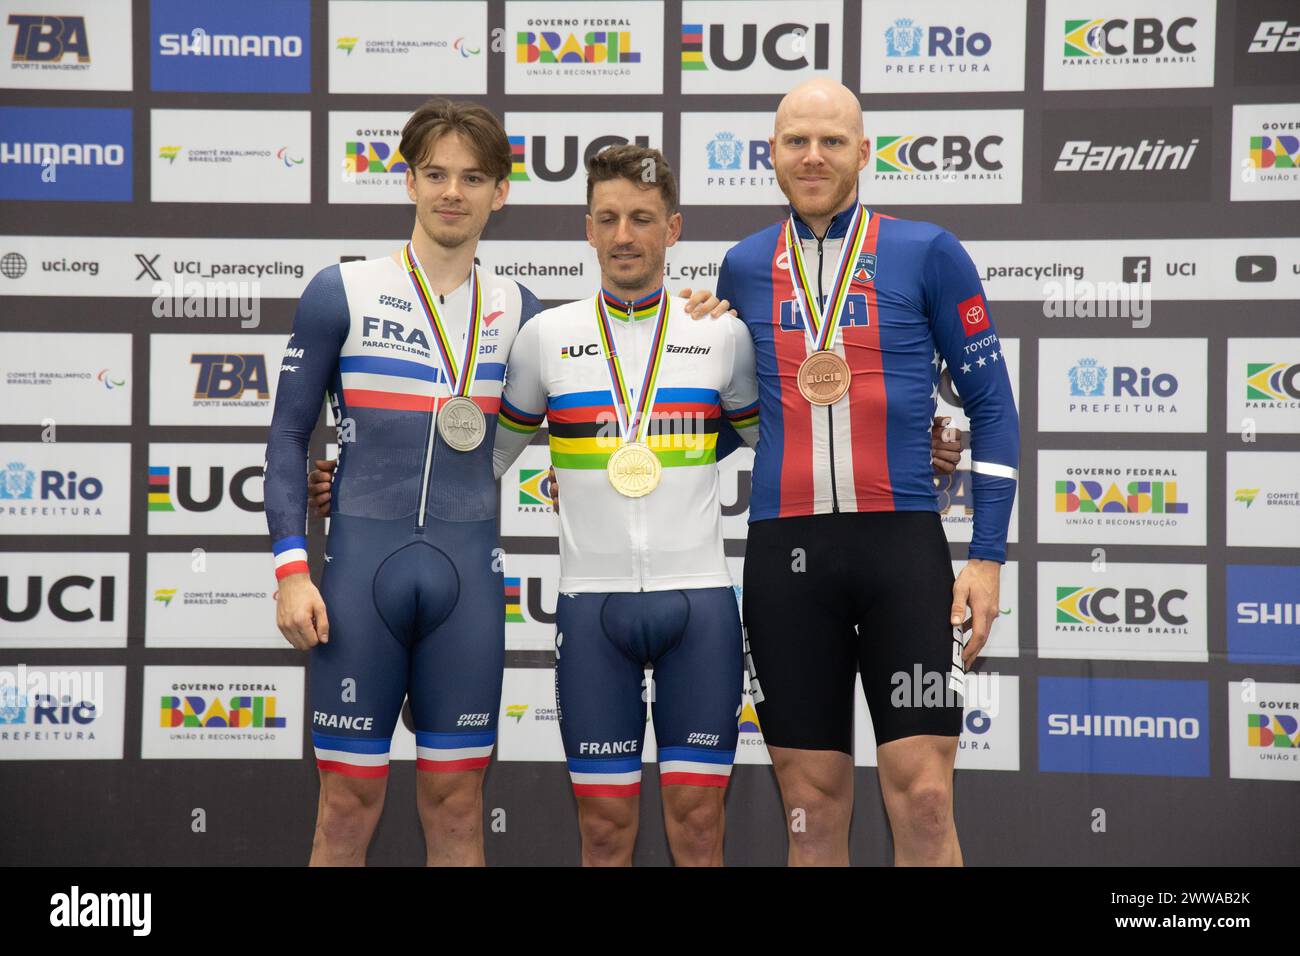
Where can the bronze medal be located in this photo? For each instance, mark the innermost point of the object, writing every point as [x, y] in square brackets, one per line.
[824, 378]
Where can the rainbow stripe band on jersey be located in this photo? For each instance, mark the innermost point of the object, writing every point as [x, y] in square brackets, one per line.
[682, 430]
[459, 381]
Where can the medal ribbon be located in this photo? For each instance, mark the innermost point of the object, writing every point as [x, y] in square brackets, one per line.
[459, 384]
[639, 426]
[821, 329]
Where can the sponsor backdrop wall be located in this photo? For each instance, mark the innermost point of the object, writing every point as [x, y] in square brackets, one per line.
[1125, 175]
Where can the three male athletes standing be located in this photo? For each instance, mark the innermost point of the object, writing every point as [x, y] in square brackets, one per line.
[841, 583]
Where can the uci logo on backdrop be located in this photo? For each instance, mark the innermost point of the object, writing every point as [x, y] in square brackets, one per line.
[63, 600]
[212, 489]
[767, 47]
[549, 151]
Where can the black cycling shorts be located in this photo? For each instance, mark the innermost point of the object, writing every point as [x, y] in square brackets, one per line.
[829, 595]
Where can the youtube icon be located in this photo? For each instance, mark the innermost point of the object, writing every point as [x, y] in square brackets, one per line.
[1256, 268]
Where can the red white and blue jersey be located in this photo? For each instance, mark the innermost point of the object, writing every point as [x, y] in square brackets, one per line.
[915, 301]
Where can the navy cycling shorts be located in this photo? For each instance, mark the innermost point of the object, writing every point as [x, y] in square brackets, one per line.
[692, 640]
[418, 615]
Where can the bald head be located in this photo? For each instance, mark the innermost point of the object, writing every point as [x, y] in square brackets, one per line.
[818, 149]
[820, 99]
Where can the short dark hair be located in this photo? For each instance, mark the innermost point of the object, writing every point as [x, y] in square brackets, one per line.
[637, 164]
[477, 125]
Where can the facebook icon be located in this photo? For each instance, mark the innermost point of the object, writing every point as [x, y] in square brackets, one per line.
[1137, 268]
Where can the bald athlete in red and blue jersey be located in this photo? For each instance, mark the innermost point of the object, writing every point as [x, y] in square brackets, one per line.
[877, 587]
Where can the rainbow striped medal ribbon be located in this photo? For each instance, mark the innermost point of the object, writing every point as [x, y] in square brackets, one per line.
[460, 422]
[823, 376]
[633, 469]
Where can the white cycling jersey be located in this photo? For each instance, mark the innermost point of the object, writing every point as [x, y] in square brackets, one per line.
[672, 537]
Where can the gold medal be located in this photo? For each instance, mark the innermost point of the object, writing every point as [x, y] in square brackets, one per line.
[633, 470]
[824, 378]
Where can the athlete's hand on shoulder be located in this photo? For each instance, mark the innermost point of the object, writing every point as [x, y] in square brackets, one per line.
[319, 484]
[704, 304]
[945, 446]
[555, 490]
[300, 612]
[977, 588]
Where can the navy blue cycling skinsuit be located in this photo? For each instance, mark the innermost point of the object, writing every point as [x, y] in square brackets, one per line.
[412, 583]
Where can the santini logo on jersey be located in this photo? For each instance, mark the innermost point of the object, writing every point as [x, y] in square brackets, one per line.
[688, 349]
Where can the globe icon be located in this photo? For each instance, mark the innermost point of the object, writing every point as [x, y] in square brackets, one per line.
[13, 265]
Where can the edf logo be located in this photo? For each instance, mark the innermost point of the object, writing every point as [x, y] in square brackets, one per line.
[228, 377]
[48, 39]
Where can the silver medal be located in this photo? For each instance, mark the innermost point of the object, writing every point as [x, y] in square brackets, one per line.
[461, 424]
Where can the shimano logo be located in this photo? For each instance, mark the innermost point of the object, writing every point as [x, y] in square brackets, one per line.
[688, 349]
[198, 43]
[394, 302]
[1122, 725]
[609, 746]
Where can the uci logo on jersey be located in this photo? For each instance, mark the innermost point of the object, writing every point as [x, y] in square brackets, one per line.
[577, 351]
[855, 313]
